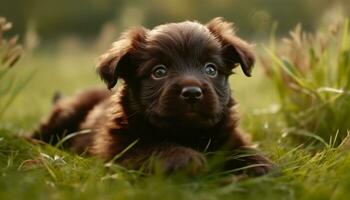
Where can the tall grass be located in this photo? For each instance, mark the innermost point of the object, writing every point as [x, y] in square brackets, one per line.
[311, 73]
[10, 53]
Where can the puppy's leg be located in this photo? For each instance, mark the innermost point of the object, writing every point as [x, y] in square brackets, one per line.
[170, 158]
[67, 114]
[245, 159]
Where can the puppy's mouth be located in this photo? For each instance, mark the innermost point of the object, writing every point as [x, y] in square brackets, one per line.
[190, 114]
[184, 112]
[186, 119]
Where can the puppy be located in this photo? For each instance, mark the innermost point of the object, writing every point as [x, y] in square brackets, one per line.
[174, 102]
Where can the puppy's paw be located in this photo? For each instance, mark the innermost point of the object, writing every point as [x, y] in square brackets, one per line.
[251, 162]
[182, 159]
[259, 165]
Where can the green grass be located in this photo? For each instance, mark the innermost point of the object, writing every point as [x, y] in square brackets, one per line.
[30, 171]
[311, 73]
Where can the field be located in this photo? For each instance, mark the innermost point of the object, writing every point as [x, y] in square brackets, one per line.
[308, 169]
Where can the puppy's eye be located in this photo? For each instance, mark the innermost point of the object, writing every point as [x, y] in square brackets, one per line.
[210, 69]
[159, 71]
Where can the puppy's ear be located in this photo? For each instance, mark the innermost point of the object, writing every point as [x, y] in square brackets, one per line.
[119, 60]
[235, 50]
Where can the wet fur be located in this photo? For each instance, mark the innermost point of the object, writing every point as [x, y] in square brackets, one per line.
[150, 112]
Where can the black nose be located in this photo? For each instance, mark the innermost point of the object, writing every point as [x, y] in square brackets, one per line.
[191, 94]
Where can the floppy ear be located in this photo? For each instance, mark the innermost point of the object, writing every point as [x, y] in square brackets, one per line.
[235, 50]
[118, 60]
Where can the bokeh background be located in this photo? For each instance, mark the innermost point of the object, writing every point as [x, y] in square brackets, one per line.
[85, 19]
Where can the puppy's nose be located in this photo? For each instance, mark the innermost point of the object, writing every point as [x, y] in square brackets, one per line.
[191, 94]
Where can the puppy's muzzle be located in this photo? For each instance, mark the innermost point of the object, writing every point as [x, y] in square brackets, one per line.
[191, 94]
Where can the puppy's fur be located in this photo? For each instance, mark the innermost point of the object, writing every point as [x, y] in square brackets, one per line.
[172, 114]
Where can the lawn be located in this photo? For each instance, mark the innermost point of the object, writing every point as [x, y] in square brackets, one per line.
[308, 170]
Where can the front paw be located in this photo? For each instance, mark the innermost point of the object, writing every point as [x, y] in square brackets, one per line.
[182, 159]
[259, 165]
[251, 162]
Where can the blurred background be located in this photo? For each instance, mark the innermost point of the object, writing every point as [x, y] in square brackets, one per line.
[63, 39]
[87, 19]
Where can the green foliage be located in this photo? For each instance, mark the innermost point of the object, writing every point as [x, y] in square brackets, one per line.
[10, 53]
[311, 73]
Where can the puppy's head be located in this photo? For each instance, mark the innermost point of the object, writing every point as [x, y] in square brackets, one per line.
[177, 74]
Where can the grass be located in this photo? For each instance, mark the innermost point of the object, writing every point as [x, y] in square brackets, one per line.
[30, 171]
[311, 74]
[10, 53]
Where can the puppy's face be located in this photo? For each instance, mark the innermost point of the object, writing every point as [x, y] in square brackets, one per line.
[177, 74]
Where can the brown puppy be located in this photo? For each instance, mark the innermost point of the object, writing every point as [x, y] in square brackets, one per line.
[174, 103]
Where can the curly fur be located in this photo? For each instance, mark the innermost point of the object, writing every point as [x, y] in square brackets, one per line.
[150, 111]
